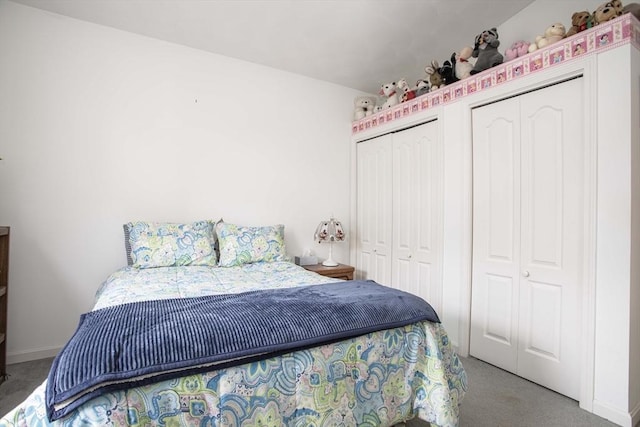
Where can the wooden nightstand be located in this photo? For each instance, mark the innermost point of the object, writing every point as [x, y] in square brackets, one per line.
[341, 271]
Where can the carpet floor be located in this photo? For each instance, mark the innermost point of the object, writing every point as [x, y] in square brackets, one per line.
[495, 398]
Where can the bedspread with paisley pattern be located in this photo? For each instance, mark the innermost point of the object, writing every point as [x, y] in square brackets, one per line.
[378, 379]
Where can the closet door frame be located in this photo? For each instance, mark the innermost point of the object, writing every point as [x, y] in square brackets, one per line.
[587, 69]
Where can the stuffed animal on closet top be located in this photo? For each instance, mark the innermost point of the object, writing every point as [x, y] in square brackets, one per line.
[447, 71]
[517, 49]
[435, 78]
[607, 11]
[462, 65]
[406, 93]
[363, 106]
[442, 76]
[553, 33]
[389, 90]
[486, 50]
[580, 21]
[422, 86]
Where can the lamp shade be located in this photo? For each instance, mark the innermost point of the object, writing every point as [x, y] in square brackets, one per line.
[329, 231]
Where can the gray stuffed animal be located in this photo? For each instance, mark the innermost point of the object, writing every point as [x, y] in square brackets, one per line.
[486, 50]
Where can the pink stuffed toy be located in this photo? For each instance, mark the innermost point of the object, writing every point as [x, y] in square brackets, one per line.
[517, 49]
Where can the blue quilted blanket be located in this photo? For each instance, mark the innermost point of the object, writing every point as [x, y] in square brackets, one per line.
[138, 343]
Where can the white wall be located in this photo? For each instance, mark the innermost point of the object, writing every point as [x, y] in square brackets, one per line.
[99, 127]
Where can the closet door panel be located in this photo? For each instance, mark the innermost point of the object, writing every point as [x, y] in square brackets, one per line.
[404, 187]
[542, 160]
[417, 178]
[496, 221]
[373, 233]
[552, 212]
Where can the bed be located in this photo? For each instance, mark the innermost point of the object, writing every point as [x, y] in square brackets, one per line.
[378, 378]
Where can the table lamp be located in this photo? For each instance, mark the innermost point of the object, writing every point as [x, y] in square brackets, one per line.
[329, 231]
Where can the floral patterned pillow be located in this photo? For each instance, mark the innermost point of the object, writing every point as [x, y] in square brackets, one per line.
[166, 244]
[245, 245]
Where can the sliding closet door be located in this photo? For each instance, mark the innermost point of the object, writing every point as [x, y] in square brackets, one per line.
[417, 207]
[527, 237]
[374, 229]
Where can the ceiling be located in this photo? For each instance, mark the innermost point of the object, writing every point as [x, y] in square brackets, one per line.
[359, 44]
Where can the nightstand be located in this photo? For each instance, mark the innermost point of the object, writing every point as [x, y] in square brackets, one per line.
[341, 271]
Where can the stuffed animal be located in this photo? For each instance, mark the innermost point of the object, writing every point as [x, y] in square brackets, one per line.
[363, 106]
[389, 91]
[422, 87]
[462, 65]
[447, 70]
[607, 11]
[580, 21]
[406, 92]
[552, 34]
[518, 48]
[433, 71]
[486, 50]
[632, 8]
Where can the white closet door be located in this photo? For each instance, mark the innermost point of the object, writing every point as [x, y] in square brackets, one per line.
[373, 228]
[417, 203]
[527, 236]
[496, 234]
[552, 186]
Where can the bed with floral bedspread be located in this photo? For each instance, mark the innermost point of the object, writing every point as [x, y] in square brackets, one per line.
[378, 379]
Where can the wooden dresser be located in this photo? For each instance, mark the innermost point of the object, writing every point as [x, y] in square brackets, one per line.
[4, 282]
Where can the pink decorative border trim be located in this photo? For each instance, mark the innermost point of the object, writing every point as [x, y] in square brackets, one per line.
[614, 33]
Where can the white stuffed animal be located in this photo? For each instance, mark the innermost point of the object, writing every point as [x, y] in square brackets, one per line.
[552, 34]
[363, 106]
[389, 90]
[463, 65]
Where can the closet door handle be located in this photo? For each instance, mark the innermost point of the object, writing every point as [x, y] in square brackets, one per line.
[526, 273]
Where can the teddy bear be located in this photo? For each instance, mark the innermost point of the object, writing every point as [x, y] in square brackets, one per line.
[580, 21]
[553, 33]
[435, 78]
[607, 11]
[363, 106]
[389, 90]
[486, 50]
[517, 49]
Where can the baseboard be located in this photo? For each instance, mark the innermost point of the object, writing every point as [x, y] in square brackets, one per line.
[35, 354]
[614, 415]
